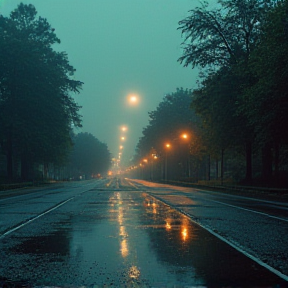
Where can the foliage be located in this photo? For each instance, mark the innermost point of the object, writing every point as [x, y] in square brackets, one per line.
[224, 35]
[171, 118]
[36, 108]
[222, 40]
[216, 104]
[89, 156]
[267, 100]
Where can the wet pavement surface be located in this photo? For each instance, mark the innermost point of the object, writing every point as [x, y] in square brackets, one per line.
[119, 237]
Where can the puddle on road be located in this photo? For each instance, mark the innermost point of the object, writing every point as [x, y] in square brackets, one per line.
[123, 238]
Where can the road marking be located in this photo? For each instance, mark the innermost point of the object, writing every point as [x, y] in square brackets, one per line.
[258, 261]
[35, 218]
[249, 210]
[255, 259]
[133, 185]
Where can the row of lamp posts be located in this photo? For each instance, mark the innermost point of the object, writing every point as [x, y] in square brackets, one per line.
[167, 147]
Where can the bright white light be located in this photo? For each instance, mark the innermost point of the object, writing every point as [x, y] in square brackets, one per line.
[133, 99]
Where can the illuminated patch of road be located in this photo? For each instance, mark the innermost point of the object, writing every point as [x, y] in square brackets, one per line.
[255, 259]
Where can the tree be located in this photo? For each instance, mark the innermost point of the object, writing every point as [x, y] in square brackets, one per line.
[171, 118]
[36, 107]
[89, 156]
[225, 37]
[214, 102]
[222, 36]
[267, 99]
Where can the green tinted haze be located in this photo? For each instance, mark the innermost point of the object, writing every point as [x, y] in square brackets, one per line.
[119, 47]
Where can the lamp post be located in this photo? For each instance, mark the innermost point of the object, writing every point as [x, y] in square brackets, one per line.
[167, 148]
[185, 137]
[154, 157]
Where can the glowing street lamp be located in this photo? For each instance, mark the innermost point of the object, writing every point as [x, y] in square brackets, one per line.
[184, 136]
[122, 138]
[168, 146]
[124, 128]
[154, 157]
[133, 99]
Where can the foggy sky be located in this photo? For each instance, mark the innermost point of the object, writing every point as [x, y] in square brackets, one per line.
[119, 47]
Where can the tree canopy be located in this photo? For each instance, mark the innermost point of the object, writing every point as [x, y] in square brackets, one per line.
[36, 105]
[171, 118]
[242, 98]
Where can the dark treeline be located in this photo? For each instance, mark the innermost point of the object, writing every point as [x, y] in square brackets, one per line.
[89, 157]
[241, 100]
[37, 111]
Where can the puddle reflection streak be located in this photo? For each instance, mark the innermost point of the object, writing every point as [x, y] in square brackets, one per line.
[124, 250]
[134, 272]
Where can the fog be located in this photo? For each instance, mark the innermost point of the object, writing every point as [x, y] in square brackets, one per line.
[119, 48]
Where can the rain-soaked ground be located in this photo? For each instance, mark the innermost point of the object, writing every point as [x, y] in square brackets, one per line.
[124, 238]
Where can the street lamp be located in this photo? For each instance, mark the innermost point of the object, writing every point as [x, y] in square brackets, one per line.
[186, 137]
[168, 146]
[133, 99]
[124, 128]
[154, 157]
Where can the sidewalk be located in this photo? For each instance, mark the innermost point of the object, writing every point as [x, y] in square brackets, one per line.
[247, 191]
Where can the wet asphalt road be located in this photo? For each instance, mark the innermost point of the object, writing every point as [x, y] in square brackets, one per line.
[117, 233]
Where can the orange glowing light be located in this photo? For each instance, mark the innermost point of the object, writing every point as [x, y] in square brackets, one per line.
[168, 145]
[168, 226]
[124, 248]
[184, 234]
[134, 272]
[185, 136]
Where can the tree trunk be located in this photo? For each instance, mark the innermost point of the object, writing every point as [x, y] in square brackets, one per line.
[248, 178]
[209, 166]
[222, 166]
[9, 157]
[24, 168]
[276, 160]
[267, 164]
